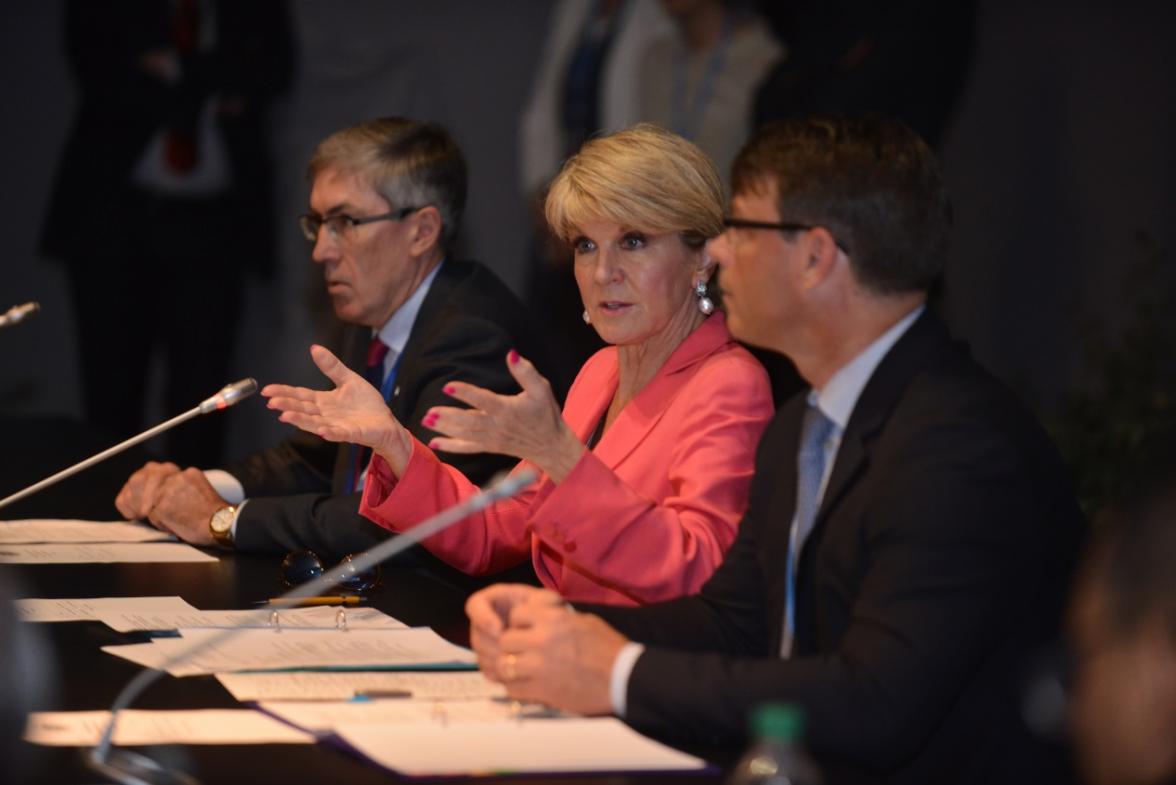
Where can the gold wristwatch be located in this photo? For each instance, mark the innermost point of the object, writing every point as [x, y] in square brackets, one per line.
[220, 525]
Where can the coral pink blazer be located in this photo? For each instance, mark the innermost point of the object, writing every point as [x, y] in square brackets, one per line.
[646, 515]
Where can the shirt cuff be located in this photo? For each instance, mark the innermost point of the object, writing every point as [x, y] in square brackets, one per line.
[230, 489]
[237, 517]
[226, 485]
[622, 668]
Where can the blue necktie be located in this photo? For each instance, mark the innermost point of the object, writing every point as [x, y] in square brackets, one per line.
[810, 468]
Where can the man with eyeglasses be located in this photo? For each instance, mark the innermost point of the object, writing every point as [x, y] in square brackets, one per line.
[910, 527]
[385, 206]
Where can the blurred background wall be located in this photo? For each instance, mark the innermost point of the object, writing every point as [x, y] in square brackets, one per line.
[1060, 160]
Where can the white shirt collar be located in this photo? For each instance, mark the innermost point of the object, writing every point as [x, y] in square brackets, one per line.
[395, 331]
[840, 394]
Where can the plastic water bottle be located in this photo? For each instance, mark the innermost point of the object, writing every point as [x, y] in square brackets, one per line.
[776, 757]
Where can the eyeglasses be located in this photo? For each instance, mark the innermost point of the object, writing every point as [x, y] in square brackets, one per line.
[744, 223]
[341, 226]
[301, 566]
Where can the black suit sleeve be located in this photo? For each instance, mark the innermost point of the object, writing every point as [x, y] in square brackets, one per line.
[299, 464]
[461, 347]
[331, 526]
[950, 520]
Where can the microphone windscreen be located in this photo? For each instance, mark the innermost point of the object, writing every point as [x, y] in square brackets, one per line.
[229, 395]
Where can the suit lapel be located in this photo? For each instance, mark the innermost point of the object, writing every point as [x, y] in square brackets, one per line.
[925, 338]
[452, 271]
[599, 384]
[642, 413]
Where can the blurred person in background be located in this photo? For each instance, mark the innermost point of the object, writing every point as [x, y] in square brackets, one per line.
[700, 82]
[586, 82]
[163, 199]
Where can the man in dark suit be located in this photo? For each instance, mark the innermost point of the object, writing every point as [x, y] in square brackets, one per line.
[386, 202]
[910, 527]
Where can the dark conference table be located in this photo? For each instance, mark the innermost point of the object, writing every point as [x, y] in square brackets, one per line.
[89, 679]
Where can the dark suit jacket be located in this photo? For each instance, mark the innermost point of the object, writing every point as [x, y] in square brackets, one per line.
[468, 322]
[938, 559]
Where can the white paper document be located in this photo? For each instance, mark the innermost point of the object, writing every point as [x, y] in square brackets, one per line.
[266, 649]
[324, 717]
[74, 553]
[318, 617]
[341, 686]
[137, 726]
[529, 745]
[92, 609]
[61, 530]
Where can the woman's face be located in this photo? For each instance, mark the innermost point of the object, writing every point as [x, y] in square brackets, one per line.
[634, 285]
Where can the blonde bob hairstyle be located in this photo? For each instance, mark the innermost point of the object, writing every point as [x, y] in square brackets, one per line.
[643, 177]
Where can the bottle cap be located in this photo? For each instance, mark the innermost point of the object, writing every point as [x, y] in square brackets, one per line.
[778, 721]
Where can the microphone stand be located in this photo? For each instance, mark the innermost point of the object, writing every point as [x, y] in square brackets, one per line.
[228, 396]
[131, 768]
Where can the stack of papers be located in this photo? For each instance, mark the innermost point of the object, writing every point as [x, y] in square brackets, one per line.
[102, 553]
[55, 530]
[343, 686]
[126, 614]
[94, 608]
[485, 736]
[318, 617]
[268, 649]
[138, 727]
[529, 745]
[52, 541]
[437, 722]
[323, 717]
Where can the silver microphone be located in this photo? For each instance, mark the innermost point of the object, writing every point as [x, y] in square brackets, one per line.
[19, 313]
[229, 395]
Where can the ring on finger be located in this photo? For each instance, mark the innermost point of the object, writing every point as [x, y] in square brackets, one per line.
[510, 667]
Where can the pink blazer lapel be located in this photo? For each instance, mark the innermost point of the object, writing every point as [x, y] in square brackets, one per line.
[642, 413]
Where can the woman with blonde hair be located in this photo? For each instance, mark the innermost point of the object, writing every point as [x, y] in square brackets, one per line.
[645, 474]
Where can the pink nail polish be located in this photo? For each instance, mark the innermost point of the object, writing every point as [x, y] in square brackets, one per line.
[448, 389]
[513, 357]
[428, 420]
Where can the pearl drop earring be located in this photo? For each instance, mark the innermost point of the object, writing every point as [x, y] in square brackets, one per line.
[705, 304]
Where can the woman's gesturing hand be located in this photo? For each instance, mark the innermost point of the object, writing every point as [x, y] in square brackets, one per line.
[353, 412]
[528, 425]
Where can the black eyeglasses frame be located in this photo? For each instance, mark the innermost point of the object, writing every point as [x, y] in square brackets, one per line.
[746, 223]
[310, 223]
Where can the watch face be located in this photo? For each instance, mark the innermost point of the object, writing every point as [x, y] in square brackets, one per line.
[222, 520]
